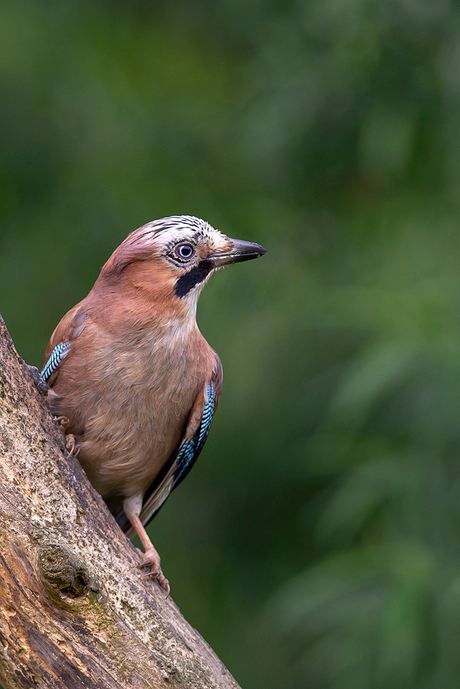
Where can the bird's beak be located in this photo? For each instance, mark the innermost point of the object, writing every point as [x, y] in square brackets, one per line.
[240, 251]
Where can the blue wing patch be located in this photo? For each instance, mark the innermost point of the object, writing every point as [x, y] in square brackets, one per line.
[191, 449]
[56, 356]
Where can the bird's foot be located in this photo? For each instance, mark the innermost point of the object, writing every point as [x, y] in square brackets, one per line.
[63, 421]
[151, 559]
[71, 445]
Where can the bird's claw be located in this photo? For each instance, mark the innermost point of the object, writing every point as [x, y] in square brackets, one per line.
[152, 560]
[63, 421]
[71, 445]
[164, 583]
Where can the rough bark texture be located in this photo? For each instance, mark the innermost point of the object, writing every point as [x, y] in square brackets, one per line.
[74, 609]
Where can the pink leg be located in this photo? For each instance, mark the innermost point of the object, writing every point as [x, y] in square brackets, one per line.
[151, 557]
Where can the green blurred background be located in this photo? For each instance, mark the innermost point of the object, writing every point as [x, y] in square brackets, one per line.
[317, 541]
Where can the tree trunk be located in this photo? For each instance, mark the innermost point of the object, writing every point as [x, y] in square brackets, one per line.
[75, 611]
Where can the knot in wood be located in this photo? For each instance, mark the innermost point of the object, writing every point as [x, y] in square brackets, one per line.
[62, 572]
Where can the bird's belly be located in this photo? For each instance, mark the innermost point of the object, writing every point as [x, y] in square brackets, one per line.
[129, 407]
[125, 445]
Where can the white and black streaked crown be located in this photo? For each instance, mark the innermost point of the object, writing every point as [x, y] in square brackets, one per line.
[176, 226]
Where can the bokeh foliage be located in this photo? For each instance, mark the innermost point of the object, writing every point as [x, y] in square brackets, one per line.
[317, 541]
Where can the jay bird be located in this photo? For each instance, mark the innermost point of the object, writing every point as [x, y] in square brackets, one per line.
[131, 378]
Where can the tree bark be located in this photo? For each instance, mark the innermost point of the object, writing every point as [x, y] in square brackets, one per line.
[75, 611]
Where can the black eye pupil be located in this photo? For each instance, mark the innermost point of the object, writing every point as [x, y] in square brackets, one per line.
[185, 251]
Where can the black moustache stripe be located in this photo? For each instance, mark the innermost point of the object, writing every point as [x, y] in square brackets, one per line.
[194, 276]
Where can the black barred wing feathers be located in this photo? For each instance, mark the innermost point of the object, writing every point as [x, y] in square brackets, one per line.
[55, 358]
[190, 450]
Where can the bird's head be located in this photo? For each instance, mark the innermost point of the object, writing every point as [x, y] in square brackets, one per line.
[171, 259]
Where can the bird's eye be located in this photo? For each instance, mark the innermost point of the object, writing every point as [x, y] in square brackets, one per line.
[183, 251]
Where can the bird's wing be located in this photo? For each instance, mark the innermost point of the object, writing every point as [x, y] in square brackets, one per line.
[59, 345]
[177, 468]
